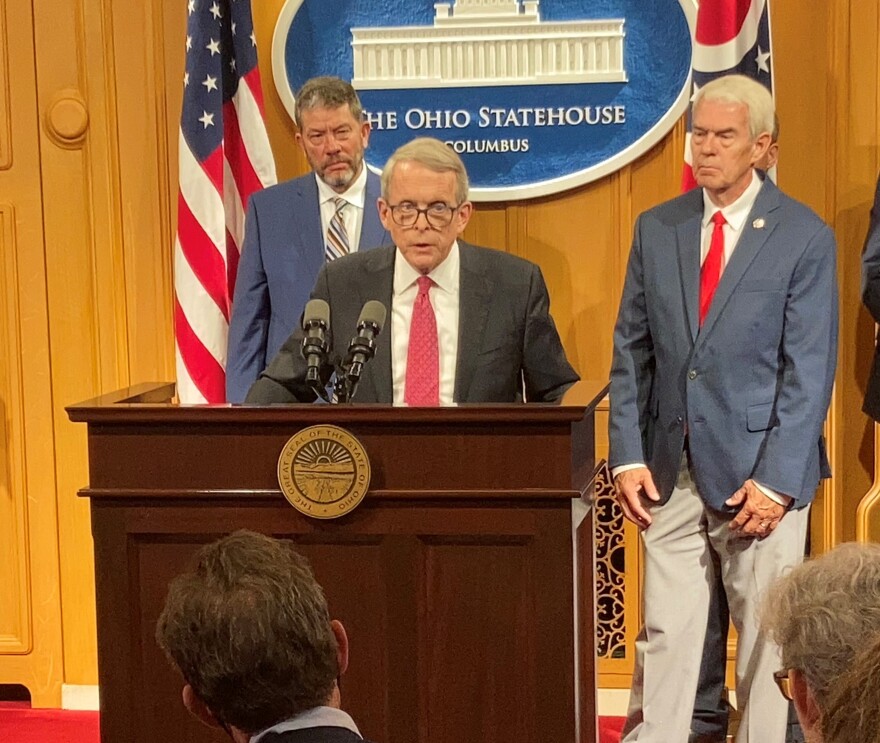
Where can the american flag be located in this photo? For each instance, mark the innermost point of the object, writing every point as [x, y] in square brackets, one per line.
[732, 37]
[224, 157]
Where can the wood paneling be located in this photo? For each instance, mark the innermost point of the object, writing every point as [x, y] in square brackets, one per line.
[5, 109]
[15, 625]
[30, 609]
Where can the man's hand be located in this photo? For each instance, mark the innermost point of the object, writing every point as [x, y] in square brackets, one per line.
[759, 515]
[632, 486]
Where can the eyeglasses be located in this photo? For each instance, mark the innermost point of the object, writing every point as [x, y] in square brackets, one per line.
[783, 682]
[438, 214]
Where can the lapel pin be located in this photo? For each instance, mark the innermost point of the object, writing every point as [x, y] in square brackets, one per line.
[758, 224]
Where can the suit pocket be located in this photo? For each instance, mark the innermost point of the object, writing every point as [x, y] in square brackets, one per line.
[760, 417]
[761, 285]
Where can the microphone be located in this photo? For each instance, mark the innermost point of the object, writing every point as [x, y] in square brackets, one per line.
[315, 323]
[363, 346]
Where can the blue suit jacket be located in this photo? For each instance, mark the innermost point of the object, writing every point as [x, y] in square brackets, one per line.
[282, 253]
[751, 387]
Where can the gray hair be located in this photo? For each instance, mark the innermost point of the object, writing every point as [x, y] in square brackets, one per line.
[823, 611]
[747, 91]
[326, 92]
[435, 156]
[850, 714]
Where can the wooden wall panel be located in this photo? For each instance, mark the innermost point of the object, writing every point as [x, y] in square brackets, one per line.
[30, 608]
[75, 269]
[5, 104]
[15, 625]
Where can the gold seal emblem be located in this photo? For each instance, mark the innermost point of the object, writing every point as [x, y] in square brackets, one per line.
[324, 472]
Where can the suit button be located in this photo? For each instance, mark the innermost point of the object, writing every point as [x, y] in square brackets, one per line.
[692, 374]
[680, 419]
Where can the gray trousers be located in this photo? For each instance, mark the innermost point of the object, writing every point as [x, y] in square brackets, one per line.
[679, 546]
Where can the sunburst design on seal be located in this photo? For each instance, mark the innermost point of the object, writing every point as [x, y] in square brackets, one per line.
[323, 470]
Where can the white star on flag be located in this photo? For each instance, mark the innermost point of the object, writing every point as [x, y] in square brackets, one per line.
[761, 60]
[215, 11]
[214, 47]
[210, 82]
[207, 119]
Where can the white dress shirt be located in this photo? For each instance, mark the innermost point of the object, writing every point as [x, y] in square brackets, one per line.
[316, 717]
[444, 299]
[352, 214]
[735, 216]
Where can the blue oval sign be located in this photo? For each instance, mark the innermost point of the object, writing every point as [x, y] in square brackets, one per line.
[536, 97]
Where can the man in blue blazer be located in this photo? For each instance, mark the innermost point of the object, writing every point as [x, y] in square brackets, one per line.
[724, 355]
[286, 228]
[249, 630]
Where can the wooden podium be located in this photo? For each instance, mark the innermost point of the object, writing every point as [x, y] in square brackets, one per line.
[456, 577]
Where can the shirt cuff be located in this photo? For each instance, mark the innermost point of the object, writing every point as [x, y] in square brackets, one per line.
[778, 498]
[615, 471]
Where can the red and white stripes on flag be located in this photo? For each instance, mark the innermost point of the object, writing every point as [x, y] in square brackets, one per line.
[732, 37]
[224, 157]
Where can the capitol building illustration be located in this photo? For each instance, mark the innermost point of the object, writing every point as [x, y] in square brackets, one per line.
[488, 42]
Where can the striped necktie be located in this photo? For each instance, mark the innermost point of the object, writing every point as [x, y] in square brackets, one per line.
[337, 235]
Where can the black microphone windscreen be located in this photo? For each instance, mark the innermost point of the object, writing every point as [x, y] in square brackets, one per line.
[373, 312]
[317, 310]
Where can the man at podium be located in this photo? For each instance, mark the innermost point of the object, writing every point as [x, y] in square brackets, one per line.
[467, 324]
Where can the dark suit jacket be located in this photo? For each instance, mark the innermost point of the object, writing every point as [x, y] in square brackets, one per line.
[751, 387]
[283, 251]
[506, 335]
[871, 298]
[314, 735]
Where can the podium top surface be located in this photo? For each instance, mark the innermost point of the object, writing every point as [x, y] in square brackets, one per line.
[155, 402]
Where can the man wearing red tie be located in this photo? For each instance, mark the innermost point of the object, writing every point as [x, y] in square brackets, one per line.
[724, 356]
[467, 324]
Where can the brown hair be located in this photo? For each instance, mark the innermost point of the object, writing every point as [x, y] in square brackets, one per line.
[326, 92]
[249, 629]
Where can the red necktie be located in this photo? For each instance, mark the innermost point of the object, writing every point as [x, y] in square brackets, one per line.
[422, 385]
[710, 274]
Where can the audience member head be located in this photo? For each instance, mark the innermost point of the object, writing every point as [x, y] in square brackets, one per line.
[424, 204]
[332, 131]
[249, 630]
[730, 133]
[851, 711]
[825, 616]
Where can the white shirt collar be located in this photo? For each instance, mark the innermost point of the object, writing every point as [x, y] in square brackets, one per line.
[445, 276]
[355, 194]
[312, 718]
[736, 213]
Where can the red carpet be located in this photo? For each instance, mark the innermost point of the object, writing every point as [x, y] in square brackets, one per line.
[20, 723]
[610, 729]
